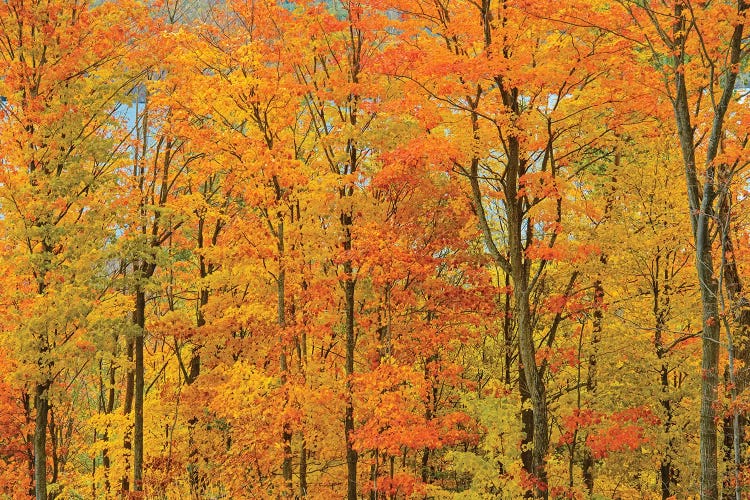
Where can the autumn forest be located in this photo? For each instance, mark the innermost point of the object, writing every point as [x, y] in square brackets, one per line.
[374, 249]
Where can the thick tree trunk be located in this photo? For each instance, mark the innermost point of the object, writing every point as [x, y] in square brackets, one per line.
[700, 212]
[427, 473]
[701, 208]
[701, 205]
[519, 268]
[286, 431]
[710, 376]
[537, 394]
[425, 465]
[41, 403]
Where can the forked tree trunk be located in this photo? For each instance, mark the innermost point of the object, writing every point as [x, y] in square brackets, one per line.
[701, 205]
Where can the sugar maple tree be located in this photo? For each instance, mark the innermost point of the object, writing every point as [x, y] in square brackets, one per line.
[514, 115]
[62, 81]
[698, 51]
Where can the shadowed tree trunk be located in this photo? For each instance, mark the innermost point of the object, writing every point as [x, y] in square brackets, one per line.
[40, 440]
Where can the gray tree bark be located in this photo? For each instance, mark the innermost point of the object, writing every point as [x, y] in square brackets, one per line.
[701, 197]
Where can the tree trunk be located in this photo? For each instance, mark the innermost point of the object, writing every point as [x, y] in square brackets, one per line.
[127, 408]
[29, 441]
[700, 212]
[140, 321]
[107, 406]
[527, 423]
[667, 472]
[588, 463]
[205, 269]
[347, 221]
[195, 357]
[537, 394]
[302, 355]
[303, 469]
[374, 472]
[519, 267]
[55, 443]
[286, 431]
[710, 375]
[734, 425]
[301, 347]
[508, 338]
[701, 205]
[194, 372]
[661, 295]
[351, 453]
[40, 440]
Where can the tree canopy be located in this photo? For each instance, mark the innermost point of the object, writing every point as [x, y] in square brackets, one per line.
[379, 249]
